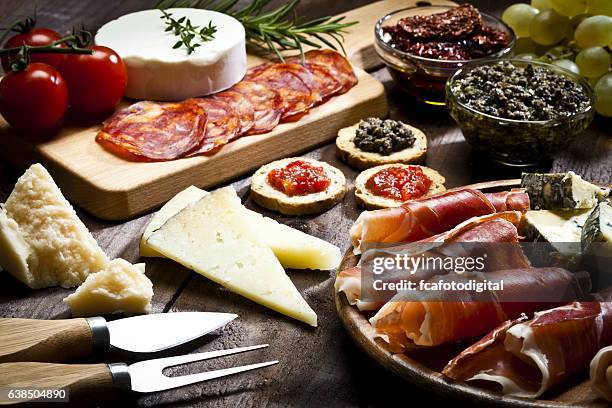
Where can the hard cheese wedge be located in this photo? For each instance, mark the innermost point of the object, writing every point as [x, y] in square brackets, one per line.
[212, 237]
[120, 288]
[42, 240]
[293, 248]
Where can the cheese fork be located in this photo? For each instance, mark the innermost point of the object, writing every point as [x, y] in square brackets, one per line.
[85, 380]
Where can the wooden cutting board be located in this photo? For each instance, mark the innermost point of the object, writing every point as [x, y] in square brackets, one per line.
[114, 189]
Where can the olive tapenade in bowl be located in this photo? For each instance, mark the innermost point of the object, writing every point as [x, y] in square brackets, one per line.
[423, 46]
[519, 112]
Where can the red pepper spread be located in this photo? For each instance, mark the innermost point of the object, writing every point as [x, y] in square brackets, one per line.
[399, 183]
[299, 178]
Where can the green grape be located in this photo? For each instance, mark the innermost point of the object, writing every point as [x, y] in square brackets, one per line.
[593, 81]
[548, 27]
[593, 61]
[574, 23]
[601, 7]
[559, 52]
[569, 7]
[518, 16]
[603, 93]
[567, 64]
[594, 31]
[541, 4]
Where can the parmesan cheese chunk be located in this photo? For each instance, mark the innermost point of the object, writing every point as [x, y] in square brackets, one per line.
[42, 240]
[120, 288]
[294, 249]
[212, 237]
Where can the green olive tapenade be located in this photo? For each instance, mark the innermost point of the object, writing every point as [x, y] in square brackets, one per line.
[383, 136]
[530, 93]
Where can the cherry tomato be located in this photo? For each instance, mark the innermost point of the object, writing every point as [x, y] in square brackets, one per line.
[96, 82]
[37, 36]
[35, 99]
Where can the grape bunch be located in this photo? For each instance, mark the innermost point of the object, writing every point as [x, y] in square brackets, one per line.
[573, 34]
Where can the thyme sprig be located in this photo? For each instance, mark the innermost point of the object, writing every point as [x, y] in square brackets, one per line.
[188, 33]
[275, 30]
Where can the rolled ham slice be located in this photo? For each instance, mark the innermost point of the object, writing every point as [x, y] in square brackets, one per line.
[524, 358]
[492, 228]
[601, 373]
[457, 315]
[420, 219]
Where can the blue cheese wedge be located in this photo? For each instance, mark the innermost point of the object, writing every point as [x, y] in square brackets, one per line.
[294, 249]
[157, 70]
[598, 226]
[561, 191]
[119, 288]
[562, 229]
[212, 237]
[42, 240]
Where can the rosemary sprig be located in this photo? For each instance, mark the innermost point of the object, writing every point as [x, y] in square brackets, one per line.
[187, 32]
[276, 30]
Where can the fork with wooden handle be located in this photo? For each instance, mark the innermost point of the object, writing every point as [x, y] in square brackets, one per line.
[95, 380]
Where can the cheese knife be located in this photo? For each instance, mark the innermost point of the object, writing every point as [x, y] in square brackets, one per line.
[62, 340]
[93, 382]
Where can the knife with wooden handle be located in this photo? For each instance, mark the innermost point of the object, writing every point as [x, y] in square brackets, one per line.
[64, 340]
[96, 381]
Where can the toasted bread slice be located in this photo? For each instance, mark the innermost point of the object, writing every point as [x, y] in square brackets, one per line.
[370, 201]
[349, 153]
[268, 197]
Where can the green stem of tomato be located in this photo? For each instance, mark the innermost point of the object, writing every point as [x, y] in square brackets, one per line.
[48, 49]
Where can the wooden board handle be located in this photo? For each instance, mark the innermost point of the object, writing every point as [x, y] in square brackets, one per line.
[91, 381]
[44, 340]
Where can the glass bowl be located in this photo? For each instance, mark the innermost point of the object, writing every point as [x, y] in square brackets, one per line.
[518, 142]
[425, 78]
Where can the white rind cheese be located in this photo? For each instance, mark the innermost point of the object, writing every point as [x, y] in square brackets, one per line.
[157, 71]
[120, 288]
[42, 241]
[210, 238]
[294, 249]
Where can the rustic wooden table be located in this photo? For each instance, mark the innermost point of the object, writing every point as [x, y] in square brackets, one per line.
[318, 367]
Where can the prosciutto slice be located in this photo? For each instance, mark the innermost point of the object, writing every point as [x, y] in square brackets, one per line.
[492, 228]
[525, 358]
[458, 315]
[601, 373]
[420, 219]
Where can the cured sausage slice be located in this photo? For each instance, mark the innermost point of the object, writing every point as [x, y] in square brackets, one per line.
[266, 103]
[295, 94]
[335, 64]
[326, 84]
[154, 131]
[241, 106]
[222, 125]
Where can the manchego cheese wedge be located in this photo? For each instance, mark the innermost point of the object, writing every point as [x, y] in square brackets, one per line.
[120, 288]
[212, 237]
[294, 249]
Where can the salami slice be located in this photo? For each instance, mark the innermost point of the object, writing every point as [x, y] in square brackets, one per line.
[326, 84]
[335, 64]
[242, 107]
[266, 103]
[295, 95]
[154, 131]
[222, 125]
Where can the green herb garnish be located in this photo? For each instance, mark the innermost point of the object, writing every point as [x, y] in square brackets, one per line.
[276, 30]
[190, 36]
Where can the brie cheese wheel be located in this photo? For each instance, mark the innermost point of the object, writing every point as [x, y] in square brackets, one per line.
[42, 240]
[120, 288]
[294, 249]
[158, 71]
[210, 238]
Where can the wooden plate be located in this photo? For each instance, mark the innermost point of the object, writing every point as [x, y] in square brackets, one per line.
[422, 367]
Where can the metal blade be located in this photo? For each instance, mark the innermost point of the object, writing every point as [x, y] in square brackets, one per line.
[147, 376]
[155, 332]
